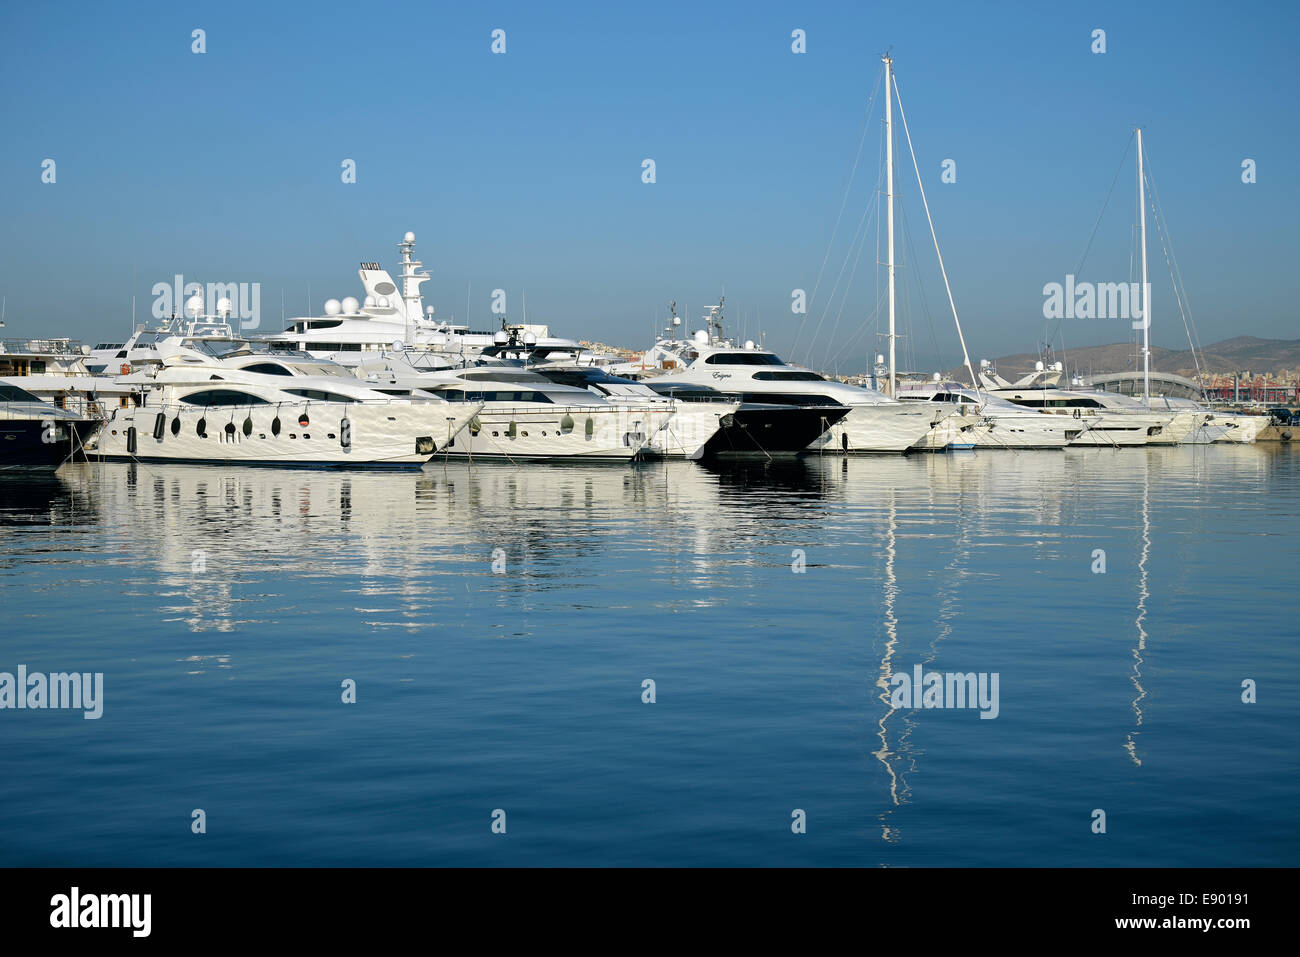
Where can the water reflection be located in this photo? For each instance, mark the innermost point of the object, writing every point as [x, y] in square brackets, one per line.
[928, 560]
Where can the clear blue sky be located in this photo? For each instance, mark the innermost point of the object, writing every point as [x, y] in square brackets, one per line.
[523, 171]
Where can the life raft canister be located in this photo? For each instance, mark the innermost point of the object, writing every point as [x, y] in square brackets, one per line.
[126, 368]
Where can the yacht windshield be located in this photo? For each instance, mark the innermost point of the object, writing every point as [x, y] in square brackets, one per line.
[743, 359]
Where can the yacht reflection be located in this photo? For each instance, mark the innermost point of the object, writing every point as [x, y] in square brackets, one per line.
[30, 498]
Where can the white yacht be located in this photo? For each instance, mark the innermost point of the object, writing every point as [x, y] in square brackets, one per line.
[525, 415]
[713, 366]
[715, 428]
[58, 371]
[244, 402]
[353, 330]
[1107, 418]
[986, 421]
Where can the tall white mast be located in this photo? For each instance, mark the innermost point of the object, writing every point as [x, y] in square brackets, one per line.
[1146, 288]
[889, 198]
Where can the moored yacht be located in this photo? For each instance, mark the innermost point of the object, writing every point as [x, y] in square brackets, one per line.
[1106, 418]
[856, 419]
[525, 415]
[985, 421]
[244, 402]
[354, 330]
[35, 434]
[714, 428]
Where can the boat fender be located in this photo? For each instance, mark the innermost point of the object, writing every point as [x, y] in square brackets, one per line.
[159, 425]
[345, 433]
[130, 440]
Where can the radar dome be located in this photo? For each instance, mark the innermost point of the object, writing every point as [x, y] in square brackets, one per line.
[370, 302]
[194, 306]
[409, 237]
[701, 337]
[1038, 367]
[332, 307]
[350, 305]
[223, 307]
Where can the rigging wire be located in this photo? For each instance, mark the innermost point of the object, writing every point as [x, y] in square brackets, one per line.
[843, 203]
[929, 219]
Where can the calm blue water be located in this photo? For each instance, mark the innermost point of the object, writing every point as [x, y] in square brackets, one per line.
[226, 608]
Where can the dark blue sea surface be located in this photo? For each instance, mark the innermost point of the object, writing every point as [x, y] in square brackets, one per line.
[770, 605]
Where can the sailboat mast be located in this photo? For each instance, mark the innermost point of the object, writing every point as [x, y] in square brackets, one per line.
[889, 199]
[1146, 287]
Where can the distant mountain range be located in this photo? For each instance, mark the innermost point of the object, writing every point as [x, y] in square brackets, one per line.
[1239, 354]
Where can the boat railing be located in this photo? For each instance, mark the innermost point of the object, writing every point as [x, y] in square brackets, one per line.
[44, 347]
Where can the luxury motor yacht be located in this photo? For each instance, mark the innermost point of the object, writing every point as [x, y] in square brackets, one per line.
[35, 434]
[715, 428]
[985, 421]
[715, 367]
[245, 402]
[524, 414]
[59, 371]
[1108, 418]
[353, 330]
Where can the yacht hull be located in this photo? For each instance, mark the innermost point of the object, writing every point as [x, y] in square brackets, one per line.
[886, 427]
[37, 444]
[532, 430]
[769, 432]
[346, 435]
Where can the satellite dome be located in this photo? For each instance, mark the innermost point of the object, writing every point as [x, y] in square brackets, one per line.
[501, 338]
[370, 302]
[701, 337]
[383, 302]
[409, 237]
[350, 305]
[223, 307]
[332, 307]
[194, 306]
[1038, 366]
[749, 343]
